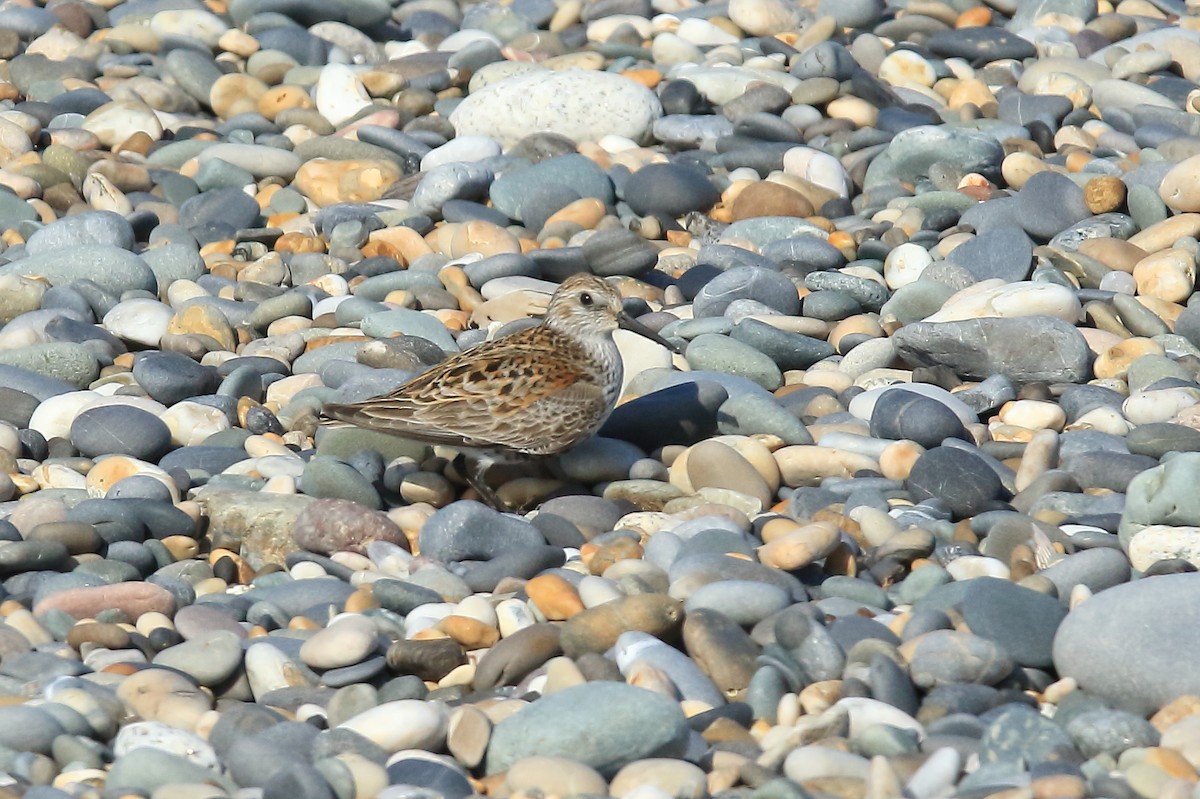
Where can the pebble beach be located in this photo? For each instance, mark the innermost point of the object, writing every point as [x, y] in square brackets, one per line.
[912, 512]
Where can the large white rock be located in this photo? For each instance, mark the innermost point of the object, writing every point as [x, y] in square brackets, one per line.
[579, 104]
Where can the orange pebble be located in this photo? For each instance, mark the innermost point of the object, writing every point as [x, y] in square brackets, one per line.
[470, 633]
[555, 597]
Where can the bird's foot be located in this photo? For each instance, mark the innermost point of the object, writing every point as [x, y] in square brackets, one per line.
[475, 471]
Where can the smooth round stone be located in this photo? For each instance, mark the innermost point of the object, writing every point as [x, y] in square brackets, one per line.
[985, 43]
[899, 415]
[814, 762]
[1102, 644]
[1097, 569]
[467, 530]
[672, 777]
[87, 229]
[561, 776]
[325, 477]
[948, 656]
[149, 768]
[453, 181]
[434, 773]
[1160, 542]
[1178, 189]
[1157, 439]
[767, 198]
[601, 724]
[461, 148]
[120, 429]
[210, 660]
[348, 640]
[69, 362]
[259, 160]
[619, 252]
[1162, 495]
[744, 601]
[200, 621]
[1110, 732]
[230, 208]
[1020, 732]
[723, 354]
[133, 599]
[961, 480]
[980, 348]
[335, 525]
[159, 694]
[911, 152]
[114, 269]
[578, 104]
[1006, 254]
[176, 261]
[599, 460]
[766, 18]
[169, 377]
[28, 729]
[428, 659]
[670, 189]
[1023, 622]
[579, 173]
[749, 414]
[747, 283]
[155, 735]
[21, 556]
[403, 724]
[142, 321]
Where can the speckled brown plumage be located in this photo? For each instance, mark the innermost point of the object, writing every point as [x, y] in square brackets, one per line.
[539, 391]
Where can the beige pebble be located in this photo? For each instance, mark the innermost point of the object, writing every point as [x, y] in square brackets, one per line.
[1164, 542]
[325, 181]
[675, 778]
[896, 461]
[1033, 414]
[1115, 361]
[1017, 168]
[799, 548]
[1164, 234]
[714, 464]
[235, 93]
[906, 68]
[807, 465]
[1168, 275]
[1041, 454]
[157, 694]
[1180, 187]
[854, 109]
[1113, 253]
[553, 776]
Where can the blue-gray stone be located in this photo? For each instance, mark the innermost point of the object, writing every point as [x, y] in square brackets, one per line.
[467, 530]
[120, 429]
[90, 228]
[1006, 254]
[601, 724]
[578, 172]
[112, 268]
[670, 189]
[772, 289]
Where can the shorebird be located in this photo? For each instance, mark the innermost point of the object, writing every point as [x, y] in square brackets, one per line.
[536, 392]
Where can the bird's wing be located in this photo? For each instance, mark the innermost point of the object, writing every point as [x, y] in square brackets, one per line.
[480, 397]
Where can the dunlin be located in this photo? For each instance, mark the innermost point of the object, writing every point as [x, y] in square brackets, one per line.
[537, 392]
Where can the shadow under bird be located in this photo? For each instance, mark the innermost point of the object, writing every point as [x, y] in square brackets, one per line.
[539, 391]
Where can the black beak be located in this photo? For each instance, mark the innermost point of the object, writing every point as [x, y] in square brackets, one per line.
[627, 322]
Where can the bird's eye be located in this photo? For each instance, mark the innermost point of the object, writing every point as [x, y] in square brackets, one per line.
[586, 299]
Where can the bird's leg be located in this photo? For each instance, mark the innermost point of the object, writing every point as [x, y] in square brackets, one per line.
[474, 470]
